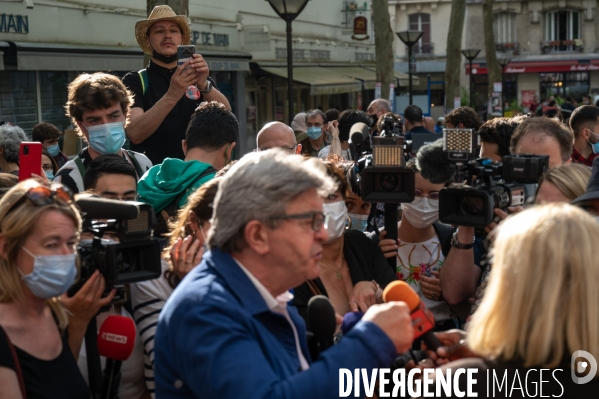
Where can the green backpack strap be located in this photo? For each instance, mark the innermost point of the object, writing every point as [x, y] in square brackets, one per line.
[136, 164]
[80, 166]
[145, 82]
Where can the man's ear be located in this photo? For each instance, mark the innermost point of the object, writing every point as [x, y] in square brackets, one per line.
[257, 237]
[184, 147]
[298, 149]
[230, 152]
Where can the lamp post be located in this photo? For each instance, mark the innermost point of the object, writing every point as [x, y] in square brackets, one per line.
[470, 55]
[409, 38]
[289, 10]
[503, 63]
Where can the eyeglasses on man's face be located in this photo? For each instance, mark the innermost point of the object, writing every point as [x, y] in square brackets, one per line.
[319, 219]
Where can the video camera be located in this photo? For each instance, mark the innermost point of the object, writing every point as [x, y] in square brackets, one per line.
[473, 206]
[133, 256]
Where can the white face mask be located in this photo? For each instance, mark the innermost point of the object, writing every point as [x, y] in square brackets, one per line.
[337, 212]
[421, 213]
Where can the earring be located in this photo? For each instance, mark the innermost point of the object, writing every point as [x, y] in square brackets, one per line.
[348, 223]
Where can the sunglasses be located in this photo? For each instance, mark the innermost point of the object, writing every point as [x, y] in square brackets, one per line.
[42, 195]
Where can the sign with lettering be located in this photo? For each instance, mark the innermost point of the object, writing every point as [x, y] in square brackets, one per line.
[360, 29]
[209, 39]
[216, 65]
[256, 40]
[10, 23]
[300, 54]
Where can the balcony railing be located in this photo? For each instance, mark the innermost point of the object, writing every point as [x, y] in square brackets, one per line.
[423, 49]
[562, 46]
[507, 49]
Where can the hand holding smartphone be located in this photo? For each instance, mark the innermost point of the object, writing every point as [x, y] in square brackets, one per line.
[184, 54]
[30, 159]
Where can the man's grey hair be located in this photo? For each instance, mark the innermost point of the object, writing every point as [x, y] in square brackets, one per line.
[260, 186]
[10, 140]
[383, 104]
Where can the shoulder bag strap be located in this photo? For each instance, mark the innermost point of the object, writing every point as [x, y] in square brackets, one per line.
[15, 360]
[145, 82]
[135, 163]
[80, 166]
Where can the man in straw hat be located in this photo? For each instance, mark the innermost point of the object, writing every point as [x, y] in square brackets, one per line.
[161, 109]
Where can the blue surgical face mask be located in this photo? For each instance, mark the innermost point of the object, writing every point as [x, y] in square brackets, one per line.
[314, 132]
[358, 222]
[594, 146]
[52, 275]
[49, 174]
[53, 150]
[108, 138]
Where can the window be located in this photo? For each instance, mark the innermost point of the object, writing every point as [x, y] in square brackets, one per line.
[422, 22]
[53, 97]
[504, 28]
[575, 84]
[18, 101]
[562, 25]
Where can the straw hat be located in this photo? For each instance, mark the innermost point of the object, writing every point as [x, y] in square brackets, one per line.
[160, 13]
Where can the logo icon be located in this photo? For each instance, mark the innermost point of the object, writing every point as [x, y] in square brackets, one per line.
[581, 366]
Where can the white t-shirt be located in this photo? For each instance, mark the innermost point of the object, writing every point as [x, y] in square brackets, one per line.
[414, 260]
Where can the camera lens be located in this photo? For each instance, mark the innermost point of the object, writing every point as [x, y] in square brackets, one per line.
[26, 150]
[389, 182]
[472, 206]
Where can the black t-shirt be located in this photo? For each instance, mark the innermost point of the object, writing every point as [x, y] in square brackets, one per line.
[59, 378]
[166, 140]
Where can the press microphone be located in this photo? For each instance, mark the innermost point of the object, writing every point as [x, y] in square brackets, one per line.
[433, 164]
[422, 319]
[359, 133]
[350, 320]
[102, 208]
[116, 340]
[321, 321]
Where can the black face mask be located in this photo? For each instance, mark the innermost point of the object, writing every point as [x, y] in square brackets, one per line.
[161, 58]
[373, 120]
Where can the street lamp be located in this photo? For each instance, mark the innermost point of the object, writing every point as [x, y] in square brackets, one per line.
[289, 10]
[410, 37]
[503, 63]
[470, 55]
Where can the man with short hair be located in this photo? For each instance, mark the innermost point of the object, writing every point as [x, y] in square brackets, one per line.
[376, 109]
[211, 136]
[543, 136]
[317, 124]
[112, 177]
[48, 134]
[166, 95]
[495, 135]
[277, 135]
[463, 118]
[413, 121]
[231, 314]
[584, 124]
[98, 104]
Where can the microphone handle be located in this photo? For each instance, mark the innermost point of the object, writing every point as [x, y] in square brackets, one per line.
[431, 341]
[112, 379]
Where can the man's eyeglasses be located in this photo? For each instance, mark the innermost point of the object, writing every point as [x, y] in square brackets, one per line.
[42, 195]
[319, 219]
[433, 195]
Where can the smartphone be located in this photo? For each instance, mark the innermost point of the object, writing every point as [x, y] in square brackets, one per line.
[30, 159]
[185, 53]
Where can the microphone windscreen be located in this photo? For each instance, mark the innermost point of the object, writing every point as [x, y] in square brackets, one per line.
[359, 132]
[433, 165]
[102, 208]
[116, 338]
[321, 317]
[350, 320]
[401, 291]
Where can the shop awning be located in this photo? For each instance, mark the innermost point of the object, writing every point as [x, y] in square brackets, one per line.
[334, 79]
[66, 57]
[543, 64]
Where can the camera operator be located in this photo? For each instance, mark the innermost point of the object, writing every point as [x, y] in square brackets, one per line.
[110, 176]
[340, 131]
[495, 136]
[39, 230]
[463, 118]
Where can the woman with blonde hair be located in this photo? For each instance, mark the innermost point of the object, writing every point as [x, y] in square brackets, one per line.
[540, 307]
[39, 230]
[563, 184]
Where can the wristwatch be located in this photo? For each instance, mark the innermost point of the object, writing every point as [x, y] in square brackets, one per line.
[208, 87]
[456, 244]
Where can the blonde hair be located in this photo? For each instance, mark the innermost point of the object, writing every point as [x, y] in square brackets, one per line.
[571, 179]
[17, 222]
[540, 304]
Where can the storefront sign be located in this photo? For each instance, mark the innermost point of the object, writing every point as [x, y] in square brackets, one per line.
[532, 67]
[10, 23]
[256, 40]
[209, 39]
[360, 29]
[300, 54]
[228, 65]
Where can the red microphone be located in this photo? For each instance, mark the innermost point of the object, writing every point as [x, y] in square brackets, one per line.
[422, 318]
[116, 340]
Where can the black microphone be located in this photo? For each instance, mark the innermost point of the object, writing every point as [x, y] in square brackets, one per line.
[433, 164]
[102, 208]
[321, 321]
[359, 133]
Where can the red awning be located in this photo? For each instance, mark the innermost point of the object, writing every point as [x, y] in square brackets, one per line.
[539, 66]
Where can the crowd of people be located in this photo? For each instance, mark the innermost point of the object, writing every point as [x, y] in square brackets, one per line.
[247, 245]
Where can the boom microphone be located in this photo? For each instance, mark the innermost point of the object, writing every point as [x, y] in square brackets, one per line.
[433, 164]
[116, 340]
[102, 208]
[321, 321]
[422, 319]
